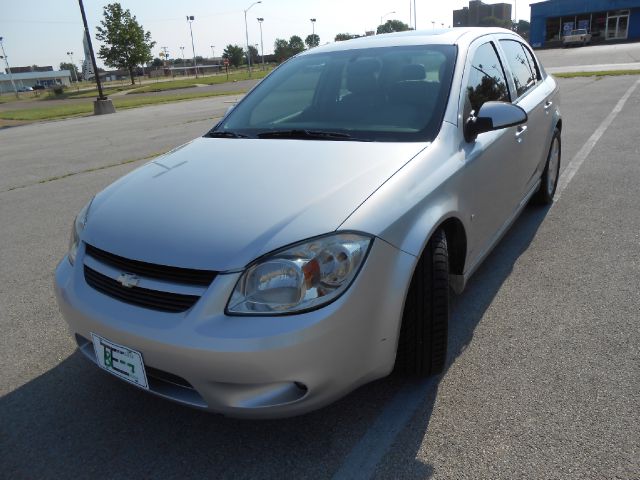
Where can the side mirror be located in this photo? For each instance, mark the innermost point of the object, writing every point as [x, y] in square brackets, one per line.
[493, 116]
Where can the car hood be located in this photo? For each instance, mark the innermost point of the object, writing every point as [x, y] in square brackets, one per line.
[220, 203]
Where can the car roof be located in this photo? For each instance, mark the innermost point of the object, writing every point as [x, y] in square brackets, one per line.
[446, 36]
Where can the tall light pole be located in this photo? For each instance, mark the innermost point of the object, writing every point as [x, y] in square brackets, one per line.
[260, 20]
[6, 61]
[246, 32]
[415, 16]
[313, 29]
[190, 19]
[385, 15]
[433, 25]
[73, 70]
[213, 55]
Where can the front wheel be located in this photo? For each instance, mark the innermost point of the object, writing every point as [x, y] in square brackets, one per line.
[549, 180]
[422, 346]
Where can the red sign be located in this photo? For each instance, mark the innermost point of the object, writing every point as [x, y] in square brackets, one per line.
[226, 62]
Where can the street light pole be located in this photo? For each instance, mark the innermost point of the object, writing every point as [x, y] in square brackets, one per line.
[102, 104]
[6, 61]
[190, 19]
[260, 20]
[212, 52]
[313, 29]
[246, 33]
[415, 16]
[73, 70]
[385, 15]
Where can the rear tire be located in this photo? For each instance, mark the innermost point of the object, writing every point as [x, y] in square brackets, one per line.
[422, 346]
[551, 173]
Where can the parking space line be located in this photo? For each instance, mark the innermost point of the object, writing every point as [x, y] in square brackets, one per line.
[364, 457]
[576, 162]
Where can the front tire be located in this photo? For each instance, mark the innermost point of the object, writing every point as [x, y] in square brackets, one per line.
[422, 346]
[551, 173]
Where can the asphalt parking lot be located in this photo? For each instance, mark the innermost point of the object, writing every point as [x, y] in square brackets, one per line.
[544, 353]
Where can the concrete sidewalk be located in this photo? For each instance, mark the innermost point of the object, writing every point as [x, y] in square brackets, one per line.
[607, 67]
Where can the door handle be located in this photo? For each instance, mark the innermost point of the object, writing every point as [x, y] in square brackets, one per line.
[520, 132]
[548, 105]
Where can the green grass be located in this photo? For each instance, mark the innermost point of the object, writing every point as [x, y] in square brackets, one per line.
[192, 82]
[70, 93]
[601, 73]
[121, 103]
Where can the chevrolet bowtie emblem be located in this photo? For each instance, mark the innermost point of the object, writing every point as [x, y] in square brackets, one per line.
[128, 280]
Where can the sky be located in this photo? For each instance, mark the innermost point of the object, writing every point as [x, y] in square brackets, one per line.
[40, 32]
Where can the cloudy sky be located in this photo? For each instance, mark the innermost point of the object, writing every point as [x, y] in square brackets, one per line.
[42, 31]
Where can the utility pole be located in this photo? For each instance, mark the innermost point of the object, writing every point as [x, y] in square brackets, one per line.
[190, 19]
[6, 61]
[415, 16]
[213, 55]
[260, 20]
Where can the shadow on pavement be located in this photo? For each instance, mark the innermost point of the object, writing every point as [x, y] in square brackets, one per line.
[467, 310]
[75, 420]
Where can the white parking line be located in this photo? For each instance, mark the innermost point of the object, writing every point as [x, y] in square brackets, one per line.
[374, 444]
[583, 153]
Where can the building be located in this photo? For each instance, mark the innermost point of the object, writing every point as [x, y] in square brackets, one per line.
[29, 79]
[606, 20]
[477, 11]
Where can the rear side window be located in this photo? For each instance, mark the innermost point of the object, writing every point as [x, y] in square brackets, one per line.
[487, 81]
[532, 63]
[517, 59]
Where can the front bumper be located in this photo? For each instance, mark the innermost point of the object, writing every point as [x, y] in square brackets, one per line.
[255, 367]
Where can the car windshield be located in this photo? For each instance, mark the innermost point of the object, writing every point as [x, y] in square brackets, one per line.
[376, 94]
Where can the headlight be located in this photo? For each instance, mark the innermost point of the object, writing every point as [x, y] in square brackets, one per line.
[76, 230]
[303, 277]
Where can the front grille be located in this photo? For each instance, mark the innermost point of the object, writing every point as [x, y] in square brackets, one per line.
[143, 297]
[189, 276]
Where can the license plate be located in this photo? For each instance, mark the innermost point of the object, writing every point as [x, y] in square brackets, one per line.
[120, 361]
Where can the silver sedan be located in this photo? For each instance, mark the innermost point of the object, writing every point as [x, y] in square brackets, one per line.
[307, 243]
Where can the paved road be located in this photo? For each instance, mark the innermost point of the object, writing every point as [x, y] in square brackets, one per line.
[544, 357]
[590, 55]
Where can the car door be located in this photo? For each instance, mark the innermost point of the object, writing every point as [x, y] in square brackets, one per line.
[530, 94]
[490, 190]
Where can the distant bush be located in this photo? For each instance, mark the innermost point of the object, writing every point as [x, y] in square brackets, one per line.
[58, 89]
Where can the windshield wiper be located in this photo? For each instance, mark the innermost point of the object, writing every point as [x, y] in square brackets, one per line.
[225, 134]
[305, 134]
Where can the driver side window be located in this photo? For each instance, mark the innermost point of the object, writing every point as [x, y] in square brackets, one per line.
[487, 81]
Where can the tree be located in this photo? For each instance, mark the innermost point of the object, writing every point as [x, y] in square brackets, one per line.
[312, 40]
[296, 45]
[71, 67]
[341, 37]
[125, 43]
[157, 62]
[523, 27]
[496, 22]
[253, 53]
[392, 26]
[281, 49]
[233, 53]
